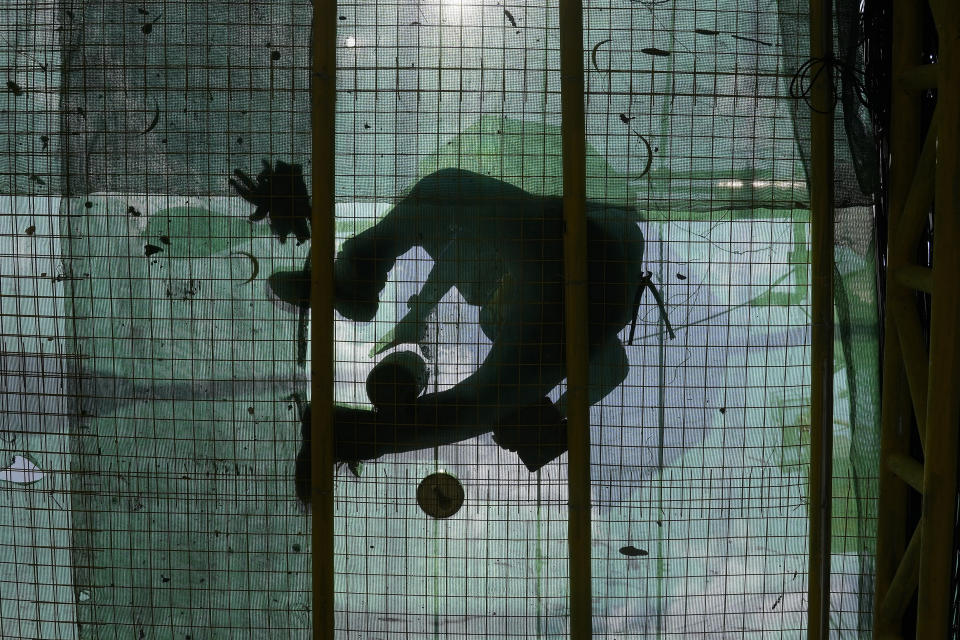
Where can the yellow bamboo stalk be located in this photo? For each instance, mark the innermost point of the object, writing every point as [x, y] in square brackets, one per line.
[891, 510]
[913, 353]
[575, 277]
[322, 112]
[821, 378]
[943, 402]
[915, 277]
[896, 414]
[904, 582]
[905, 237]
[919, 77]
[907, 469]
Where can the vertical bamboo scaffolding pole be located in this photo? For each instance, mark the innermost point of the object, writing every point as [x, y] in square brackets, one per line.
[821, 377]
[575, 287]
[943, 401]
[905, 143]
[323, 109]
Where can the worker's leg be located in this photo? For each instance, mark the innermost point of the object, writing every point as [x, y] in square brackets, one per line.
[608, 369]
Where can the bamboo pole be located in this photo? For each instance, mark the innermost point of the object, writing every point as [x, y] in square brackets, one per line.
[575, 286]
[903, 584]
[943, 402]
[919, 77]
[915, 277]
[896, 414]
[821, 378]
[913, 354]
[907, 469]
[323, 108]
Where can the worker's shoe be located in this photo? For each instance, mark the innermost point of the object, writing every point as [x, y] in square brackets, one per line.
[537, 433]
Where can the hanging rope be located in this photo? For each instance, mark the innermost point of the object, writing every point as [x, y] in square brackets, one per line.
[842, 75]
[646, 281]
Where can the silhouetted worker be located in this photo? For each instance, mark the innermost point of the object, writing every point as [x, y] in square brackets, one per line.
[502, 248]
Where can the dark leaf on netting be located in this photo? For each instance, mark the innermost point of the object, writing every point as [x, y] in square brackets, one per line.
[593, 54]
[653, 51]
[153, 123]
[150, 249]
[15, 88]
[632, 551]
[254, 264]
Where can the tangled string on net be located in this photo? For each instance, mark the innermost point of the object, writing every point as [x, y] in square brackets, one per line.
[843, 76]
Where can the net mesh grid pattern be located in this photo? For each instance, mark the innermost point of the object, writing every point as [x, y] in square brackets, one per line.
[153, 373]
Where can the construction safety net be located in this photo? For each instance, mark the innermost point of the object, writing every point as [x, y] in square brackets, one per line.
[155, 320]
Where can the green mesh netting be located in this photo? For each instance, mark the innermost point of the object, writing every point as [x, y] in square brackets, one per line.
[154, 360]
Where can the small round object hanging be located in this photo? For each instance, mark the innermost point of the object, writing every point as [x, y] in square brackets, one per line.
[440, 495]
